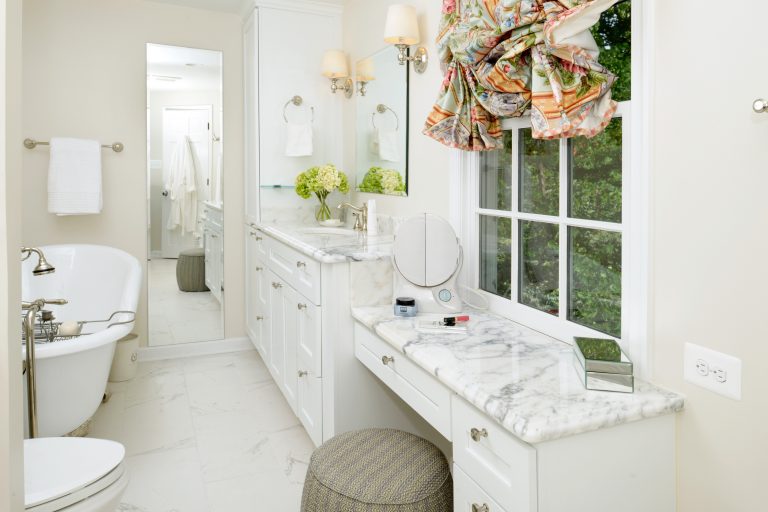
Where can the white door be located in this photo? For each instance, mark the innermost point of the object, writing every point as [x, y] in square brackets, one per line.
[195, 123]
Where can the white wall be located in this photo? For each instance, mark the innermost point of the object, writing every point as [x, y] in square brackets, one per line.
[428, 173]
[85, 76]
[11, 429]
[710, 177]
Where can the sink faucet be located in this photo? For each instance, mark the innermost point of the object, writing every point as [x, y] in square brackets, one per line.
[360, 213]
[43, 267]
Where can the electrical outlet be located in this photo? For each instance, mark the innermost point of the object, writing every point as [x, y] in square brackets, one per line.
[713, 370]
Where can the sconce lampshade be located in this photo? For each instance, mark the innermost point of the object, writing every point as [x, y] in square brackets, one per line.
[365, 70]
[402, 26]
[335, 64]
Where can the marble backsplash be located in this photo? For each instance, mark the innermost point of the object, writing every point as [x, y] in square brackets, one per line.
[371, 283]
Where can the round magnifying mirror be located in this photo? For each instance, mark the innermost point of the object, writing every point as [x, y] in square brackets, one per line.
[426, 251]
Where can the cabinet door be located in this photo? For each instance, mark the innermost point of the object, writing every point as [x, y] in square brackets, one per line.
[256, 299]
[290, 332]
[276, 361]
[310, 407]
[250, 89]
[207, 250]
[308, 325]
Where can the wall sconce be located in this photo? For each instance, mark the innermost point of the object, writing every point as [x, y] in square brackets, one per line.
[364, 73]
[335, 68]
[402, 30]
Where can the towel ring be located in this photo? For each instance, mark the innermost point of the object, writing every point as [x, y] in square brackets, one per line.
[297, 101]
[382, 109]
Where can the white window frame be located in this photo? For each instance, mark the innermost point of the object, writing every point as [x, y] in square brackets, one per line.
[636, 119]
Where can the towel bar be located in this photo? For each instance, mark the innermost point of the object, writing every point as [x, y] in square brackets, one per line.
[32, 144]
[297, 101]
[382, 109]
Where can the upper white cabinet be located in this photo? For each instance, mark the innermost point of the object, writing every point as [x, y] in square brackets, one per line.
[283, 47]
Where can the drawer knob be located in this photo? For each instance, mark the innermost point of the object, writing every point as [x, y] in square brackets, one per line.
[303, 373]
[259, 269]
[480, 508]
[385, 360]
[478, 434]
[301, 306]
[259, 318]
[300, 264]
[277, 285]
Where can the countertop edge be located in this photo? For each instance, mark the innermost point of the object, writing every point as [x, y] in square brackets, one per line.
[315, 253]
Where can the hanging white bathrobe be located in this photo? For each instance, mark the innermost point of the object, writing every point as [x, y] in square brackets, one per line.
[182, 188]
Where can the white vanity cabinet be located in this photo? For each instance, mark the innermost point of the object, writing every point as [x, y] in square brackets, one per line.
[213, 244]
[285, 325]
[629, 467]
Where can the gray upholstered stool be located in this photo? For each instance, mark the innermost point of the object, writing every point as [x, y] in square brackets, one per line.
[190, 271]
[377, 470]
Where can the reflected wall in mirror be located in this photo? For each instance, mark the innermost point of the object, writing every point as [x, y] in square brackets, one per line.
[184, 195]
[382, 124]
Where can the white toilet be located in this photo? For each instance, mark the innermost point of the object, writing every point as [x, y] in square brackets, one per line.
[73, 474]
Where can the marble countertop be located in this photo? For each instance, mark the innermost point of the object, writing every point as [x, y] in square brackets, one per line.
[334, 245]
[522, 378]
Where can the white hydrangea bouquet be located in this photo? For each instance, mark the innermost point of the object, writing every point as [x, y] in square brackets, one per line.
[321, 181]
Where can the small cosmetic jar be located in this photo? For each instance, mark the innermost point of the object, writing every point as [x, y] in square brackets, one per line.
[405, 306]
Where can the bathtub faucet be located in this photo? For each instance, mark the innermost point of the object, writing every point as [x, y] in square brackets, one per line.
[43, 267]
[33, 308]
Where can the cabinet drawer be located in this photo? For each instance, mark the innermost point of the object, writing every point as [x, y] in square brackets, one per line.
[416, 387]
[260, 242]
[469, 497]
[300, 271]
[213, 216]
[500, 464]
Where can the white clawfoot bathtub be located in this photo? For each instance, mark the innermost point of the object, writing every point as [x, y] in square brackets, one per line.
[72, 374]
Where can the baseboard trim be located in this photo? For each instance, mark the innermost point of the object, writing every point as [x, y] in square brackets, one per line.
[202, 348]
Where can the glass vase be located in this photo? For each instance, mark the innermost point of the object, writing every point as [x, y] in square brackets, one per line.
[323, 212]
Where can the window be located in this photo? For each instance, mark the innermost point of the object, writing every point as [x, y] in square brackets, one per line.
[551, 218]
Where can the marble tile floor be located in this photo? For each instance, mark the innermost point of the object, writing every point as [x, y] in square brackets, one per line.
[206, 434]
[176, 316]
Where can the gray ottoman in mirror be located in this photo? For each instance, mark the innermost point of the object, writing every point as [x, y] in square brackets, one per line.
[190, 271]
[378, 470]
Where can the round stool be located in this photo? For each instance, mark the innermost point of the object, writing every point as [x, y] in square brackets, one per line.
[377, 470]
[190, 271]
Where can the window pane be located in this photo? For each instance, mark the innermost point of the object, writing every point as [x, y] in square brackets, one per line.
[613, 35]
[594, 267]
[595, 175]
[539, 174]
[496, 177]
[496, 255]
[539, 266]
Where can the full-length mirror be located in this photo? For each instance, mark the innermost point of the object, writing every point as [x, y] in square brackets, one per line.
[184, 192]
[382, 124]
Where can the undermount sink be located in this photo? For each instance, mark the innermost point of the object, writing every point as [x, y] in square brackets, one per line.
[327, 231]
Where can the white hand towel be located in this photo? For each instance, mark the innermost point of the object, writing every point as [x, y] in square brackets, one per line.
[298, 139]
[387, 145]
[74, 177]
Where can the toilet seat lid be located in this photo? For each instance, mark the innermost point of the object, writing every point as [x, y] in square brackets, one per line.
[57, 466]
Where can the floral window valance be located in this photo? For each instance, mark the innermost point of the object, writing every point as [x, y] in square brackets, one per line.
[503, 57]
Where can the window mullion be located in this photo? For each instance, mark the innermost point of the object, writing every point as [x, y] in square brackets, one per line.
[563, 231]
[515, 207]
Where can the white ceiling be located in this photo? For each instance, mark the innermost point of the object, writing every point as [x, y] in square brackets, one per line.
[222, 5]
[173, 68]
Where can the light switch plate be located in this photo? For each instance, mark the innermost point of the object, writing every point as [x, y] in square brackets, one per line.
[713, 370]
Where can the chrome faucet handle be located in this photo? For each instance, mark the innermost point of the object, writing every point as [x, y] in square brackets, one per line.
[39, 303]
